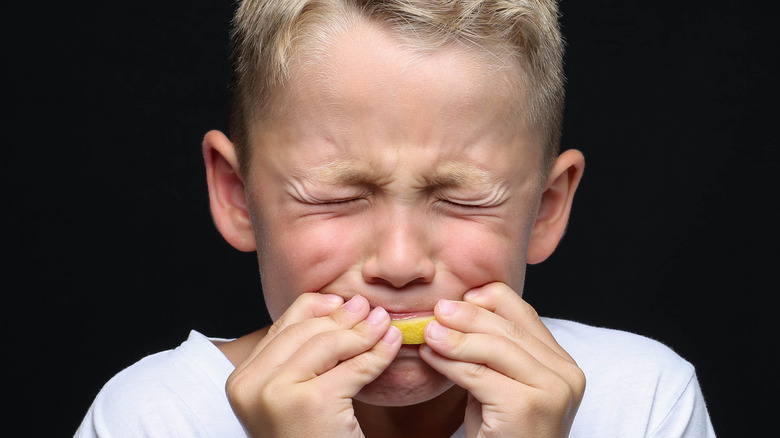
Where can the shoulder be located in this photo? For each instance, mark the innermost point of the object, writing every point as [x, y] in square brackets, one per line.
[636, 386]
[608, 348]
[178, 392]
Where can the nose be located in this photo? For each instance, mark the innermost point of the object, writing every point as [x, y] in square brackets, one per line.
[400, 252]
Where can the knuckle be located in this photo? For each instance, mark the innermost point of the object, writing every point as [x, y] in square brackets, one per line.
[562, 394]
[500, 343]
[515, 332]
[577, 380]
[344, 319]
[530, 312]
[363, 365]
[322, 342]
[234, 388]
[243, 394]
[295, 332]
[277, 327]
[470, 312]
[475, 371]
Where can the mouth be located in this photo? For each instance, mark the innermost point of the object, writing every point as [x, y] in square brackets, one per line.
[412, 326]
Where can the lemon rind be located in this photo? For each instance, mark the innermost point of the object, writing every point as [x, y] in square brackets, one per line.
[412, 329]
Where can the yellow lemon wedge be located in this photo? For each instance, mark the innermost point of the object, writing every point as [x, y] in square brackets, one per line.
[412, 328]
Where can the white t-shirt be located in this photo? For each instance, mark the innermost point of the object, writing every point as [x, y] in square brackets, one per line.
[636, 387]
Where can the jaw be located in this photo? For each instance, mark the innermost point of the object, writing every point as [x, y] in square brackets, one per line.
[431, 417]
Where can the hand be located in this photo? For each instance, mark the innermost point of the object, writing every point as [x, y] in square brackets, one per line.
[299, 380]
[521, 383]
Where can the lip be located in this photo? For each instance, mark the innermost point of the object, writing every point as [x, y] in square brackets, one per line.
[395, 316]
[408, 352]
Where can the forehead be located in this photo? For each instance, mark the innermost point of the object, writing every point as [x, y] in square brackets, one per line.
[344, 60]
[398, 59]
[365, 83]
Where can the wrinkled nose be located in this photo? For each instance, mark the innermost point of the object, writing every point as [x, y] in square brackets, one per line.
[400, 252]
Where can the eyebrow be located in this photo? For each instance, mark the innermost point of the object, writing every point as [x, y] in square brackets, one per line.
[339, 172]
[452, 174]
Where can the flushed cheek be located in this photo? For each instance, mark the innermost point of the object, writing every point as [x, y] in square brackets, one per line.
[477, 257]
[304, 259]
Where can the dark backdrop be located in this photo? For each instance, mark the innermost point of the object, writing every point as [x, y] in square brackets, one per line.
[113, 254]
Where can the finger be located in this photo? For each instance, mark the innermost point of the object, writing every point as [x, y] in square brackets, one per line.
[466, 333]
[500, 299]
[501, 335]
[291, 335]
[306, 306]
[324, 351]
[486, 385]
[506, 400]
[278, 367]
[349, 377]
[497, 352]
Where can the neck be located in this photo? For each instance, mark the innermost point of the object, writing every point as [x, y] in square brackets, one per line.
[436, 418]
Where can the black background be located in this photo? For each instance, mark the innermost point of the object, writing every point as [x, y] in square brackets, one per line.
[113, 254]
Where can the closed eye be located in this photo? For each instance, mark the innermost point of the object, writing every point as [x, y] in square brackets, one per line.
[340, 201]
[465, 205]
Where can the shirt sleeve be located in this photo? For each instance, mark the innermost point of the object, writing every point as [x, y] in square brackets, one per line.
[688, 417]
[175, 393]
[131, 405]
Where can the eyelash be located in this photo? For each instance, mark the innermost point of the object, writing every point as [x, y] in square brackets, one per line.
[447, 203]
[341, 201]
[463, 206]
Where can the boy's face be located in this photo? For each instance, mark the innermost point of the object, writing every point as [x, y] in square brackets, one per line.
[402, 178]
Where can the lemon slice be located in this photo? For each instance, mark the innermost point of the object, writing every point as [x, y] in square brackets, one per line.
[412, 328]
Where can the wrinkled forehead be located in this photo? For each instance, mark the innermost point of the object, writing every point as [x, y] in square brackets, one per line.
[367, 88]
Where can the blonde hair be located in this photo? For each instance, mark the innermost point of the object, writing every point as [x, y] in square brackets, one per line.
[267, 35]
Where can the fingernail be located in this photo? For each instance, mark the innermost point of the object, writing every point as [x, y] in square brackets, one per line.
[447, 307]
[333, 298]
[354, 304]
[377, 316]
[435, 331]
[470, 295]
[392, 335]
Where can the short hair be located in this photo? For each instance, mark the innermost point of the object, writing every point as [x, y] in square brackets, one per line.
[267, 35]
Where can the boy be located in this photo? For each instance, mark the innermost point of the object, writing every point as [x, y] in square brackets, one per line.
[394, 159]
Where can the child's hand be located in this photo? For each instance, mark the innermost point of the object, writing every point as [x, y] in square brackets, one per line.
[520, 381]
[299, 380]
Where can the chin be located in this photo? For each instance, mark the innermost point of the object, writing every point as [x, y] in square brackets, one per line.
[407, 381]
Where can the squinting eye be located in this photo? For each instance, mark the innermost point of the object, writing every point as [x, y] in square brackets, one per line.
[461, 205]
[358, 201]
[341, 201]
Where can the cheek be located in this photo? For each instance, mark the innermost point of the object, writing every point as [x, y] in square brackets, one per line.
[478, 254]
[299, 258]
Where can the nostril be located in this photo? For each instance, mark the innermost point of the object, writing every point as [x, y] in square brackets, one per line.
[398, 275]
[400, 251]
[397, 283]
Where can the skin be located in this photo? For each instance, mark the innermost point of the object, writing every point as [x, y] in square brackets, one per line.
[386, 181]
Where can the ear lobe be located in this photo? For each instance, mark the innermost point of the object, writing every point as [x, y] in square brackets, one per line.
[555, 205]
[226, 192]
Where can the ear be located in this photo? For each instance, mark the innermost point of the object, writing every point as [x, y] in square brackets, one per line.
[226, 192]
[555, 205]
